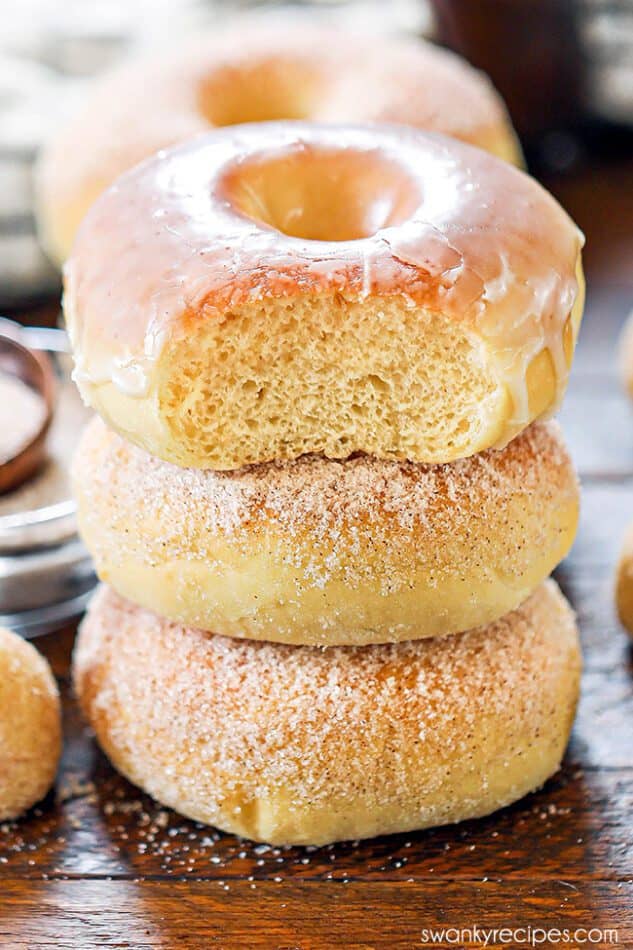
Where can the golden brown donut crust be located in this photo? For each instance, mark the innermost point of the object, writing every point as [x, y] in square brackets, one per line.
[328, 552]
[298, 745]
[30, 725]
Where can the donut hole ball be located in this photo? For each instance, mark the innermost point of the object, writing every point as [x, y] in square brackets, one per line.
[30, 726]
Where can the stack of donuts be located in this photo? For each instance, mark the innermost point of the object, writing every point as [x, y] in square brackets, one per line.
[321, 490]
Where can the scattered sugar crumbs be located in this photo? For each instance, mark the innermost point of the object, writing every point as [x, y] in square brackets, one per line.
[140, 830]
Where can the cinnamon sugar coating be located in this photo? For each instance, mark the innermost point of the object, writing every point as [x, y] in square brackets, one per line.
[324, 551]
[30, 725]
[306, 746]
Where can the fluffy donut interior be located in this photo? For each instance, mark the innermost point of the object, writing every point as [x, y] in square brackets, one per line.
[282, 378]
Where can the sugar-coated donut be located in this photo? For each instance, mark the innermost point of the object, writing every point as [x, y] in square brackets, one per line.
[30, 725]
[624, 582]
[253, 72]
[278, 289]
[318, 551]
[298, 745]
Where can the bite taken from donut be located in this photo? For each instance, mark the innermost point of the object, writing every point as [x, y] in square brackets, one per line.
[298, 745]
[280, 289]
[328, 552]
[250, 72]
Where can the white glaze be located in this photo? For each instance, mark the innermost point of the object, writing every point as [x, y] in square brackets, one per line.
[485, 245]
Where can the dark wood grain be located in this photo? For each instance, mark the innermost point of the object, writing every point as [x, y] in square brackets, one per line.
[294, 915]
[98, 864]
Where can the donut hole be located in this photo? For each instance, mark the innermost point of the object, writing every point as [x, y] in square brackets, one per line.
[322, 194]
[264, 91]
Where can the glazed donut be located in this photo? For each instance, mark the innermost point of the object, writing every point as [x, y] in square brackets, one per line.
[317, 551]
[30, 726]
[624, 583]
[255, 72]
[298, 745]
[280, 289]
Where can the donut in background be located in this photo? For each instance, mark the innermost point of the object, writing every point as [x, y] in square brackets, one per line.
[258, 70]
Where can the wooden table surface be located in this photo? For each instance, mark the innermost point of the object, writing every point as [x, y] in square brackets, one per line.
[100, 865]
